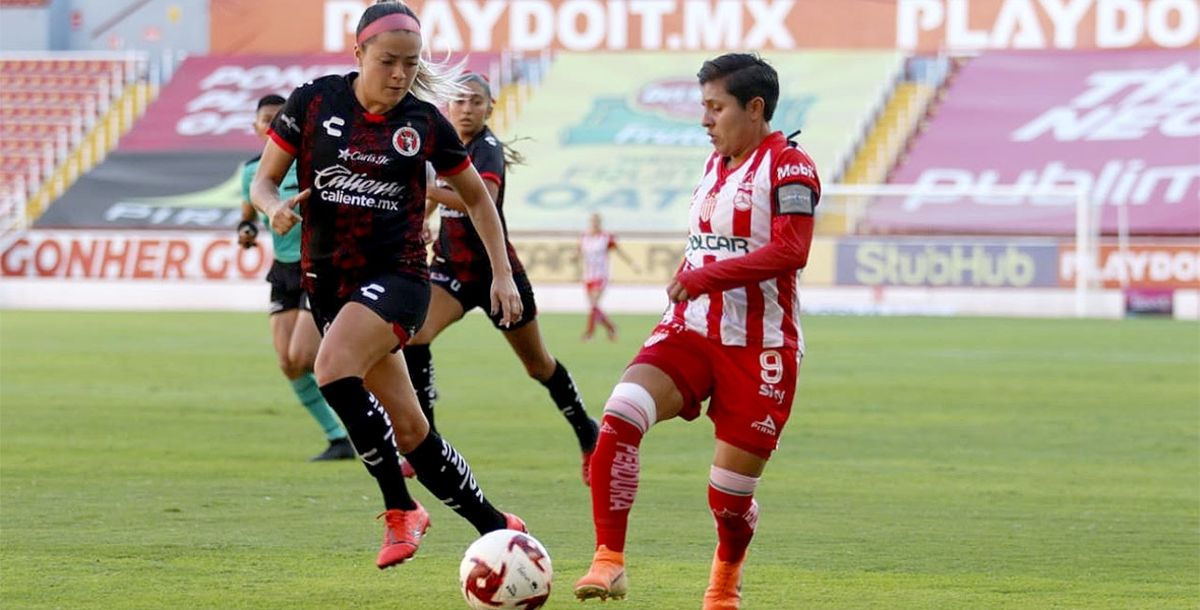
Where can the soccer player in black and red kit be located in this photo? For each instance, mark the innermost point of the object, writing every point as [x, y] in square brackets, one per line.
[461, 274]
[361, 142]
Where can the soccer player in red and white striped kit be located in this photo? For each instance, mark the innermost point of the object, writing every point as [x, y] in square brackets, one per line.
[731, 336]
[594, 247]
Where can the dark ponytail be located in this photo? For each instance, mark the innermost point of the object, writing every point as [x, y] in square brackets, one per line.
[511, 155]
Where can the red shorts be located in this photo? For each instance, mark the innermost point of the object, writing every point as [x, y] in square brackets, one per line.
[593, 285]
[751, 388]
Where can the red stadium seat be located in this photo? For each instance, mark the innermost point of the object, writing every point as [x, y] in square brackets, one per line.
[41, 99]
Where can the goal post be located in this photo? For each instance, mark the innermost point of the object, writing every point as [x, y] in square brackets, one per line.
[892, 210]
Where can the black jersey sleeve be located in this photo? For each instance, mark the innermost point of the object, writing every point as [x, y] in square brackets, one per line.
[449, 156]
[488, 157]
[287, 128]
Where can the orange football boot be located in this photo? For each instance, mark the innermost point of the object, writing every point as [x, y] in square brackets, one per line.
[606, 578]
[402, 537]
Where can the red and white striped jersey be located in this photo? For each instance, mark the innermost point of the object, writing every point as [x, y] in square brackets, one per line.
[770, 197]
[593, 253]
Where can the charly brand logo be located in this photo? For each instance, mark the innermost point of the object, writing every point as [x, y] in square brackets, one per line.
[372, 291]
[331, 126]
[406, 141]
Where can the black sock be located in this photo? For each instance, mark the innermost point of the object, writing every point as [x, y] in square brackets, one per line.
[570, 403]
[371, 433]
[446, 474]
[420, 369]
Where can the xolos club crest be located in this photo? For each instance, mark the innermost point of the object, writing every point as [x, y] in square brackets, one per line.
[406, 141]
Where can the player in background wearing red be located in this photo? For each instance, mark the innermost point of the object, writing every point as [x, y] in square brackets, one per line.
[731, 336]
[360, 142]
[594, 248]
[461, 275]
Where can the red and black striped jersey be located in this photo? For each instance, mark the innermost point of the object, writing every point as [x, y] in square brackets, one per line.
[367, 175]
[458, 244]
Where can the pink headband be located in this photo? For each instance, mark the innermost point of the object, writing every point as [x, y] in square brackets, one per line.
[389, 23]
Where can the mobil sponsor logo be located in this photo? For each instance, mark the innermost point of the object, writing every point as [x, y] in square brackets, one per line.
[984, 264]
[149, 255]
[1117, 105]
[338, 184]
[1046, 24]
[794, 170]
[1136, 266]
[585, 25]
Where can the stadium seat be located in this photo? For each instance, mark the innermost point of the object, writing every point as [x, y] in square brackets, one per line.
[40, 99]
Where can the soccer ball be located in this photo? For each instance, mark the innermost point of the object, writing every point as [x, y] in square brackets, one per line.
[506, 570]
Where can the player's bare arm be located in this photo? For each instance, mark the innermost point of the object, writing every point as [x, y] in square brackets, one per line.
[264, 189]
[452, 200]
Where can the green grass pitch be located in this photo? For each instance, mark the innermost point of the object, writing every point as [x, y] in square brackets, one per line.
[157, 460]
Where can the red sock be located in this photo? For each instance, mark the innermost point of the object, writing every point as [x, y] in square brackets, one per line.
[615, 470]
[608, 325]
[591, 324]
[730, 496]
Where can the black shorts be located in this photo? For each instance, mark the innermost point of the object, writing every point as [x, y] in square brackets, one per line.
[399, 299]
[286, 292]
[478, 293]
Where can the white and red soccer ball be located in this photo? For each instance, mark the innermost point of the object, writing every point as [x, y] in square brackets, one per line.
[505, 570]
